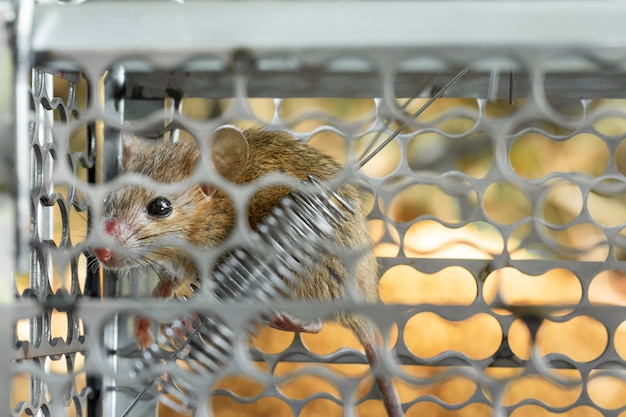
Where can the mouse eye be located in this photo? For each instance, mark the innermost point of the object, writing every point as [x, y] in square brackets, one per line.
[108, 199]
[159, 207]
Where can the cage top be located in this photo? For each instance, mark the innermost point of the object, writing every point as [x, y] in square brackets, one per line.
[323, 48]
[205, 26]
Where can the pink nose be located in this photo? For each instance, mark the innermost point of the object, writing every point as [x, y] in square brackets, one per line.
[104, 255]
[111, 227]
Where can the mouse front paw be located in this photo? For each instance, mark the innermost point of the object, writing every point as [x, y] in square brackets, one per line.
[143, 332]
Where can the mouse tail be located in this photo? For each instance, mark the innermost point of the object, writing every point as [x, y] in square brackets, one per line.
[364, 330]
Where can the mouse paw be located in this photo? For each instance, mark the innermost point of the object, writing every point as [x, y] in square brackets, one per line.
[165, 289]
[143, 332]
[187, 325]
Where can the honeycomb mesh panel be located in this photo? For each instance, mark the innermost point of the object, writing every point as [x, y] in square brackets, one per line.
[497, 216]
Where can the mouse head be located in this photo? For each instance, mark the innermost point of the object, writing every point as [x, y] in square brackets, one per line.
[149, 227]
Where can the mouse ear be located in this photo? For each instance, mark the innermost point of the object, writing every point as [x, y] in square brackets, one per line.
[130, 144]
[229, 152]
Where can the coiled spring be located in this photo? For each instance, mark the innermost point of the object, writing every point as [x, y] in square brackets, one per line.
[290, 238]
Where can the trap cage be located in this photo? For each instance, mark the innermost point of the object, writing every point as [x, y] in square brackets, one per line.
[497, 210]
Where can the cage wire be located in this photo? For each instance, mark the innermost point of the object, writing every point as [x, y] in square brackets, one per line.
[497, 208]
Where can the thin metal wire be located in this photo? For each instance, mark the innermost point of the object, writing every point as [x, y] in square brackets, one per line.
[435, 97]
[173, 356]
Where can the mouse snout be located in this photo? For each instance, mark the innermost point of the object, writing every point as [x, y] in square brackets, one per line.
[111, 227]
[105, 256]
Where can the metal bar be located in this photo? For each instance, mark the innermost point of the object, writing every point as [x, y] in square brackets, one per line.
[219, 26]
[117, 399]
[110, 167]
[22, 62]
[359, 84]
[8, 215]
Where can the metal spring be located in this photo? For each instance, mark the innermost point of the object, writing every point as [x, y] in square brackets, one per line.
[291, 237]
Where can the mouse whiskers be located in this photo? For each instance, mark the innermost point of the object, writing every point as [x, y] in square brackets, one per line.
[93, 265]
[160, 234]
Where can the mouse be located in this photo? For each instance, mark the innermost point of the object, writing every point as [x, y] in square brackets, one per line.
[145, 224]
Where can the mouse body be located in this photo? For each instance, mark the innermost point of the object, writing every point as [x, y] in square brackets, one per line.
[148, 228]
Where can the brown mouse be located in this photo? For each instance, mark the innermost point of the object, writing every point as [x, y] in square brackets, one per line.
[145, 225]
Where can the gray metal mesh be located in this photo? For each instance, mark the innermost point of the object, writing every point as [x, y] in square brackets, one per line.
[52, 340]
[498, 214]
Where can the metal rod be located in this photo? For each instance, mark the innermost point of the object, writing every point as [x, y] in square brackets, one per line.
[22, 60]
[184, 344]
[414, 116]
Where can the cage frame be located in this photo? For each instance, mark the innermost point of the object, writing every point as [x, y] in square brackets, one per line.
[448, 38]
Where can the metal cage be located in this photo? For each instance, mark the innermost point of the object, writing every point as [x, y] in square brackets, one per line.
[498, 209]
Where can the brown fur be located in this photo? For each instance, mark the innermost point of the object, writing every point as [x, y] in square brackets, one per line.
[207, 222]
[272, 151]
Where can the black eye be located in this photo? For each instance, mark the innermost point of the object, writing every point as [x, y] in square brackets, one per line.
[108, 201]
[159, 207]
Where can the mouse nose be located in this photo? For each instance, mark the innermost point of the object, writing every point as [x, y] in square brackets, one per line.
[111, 227]
[104, 255]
